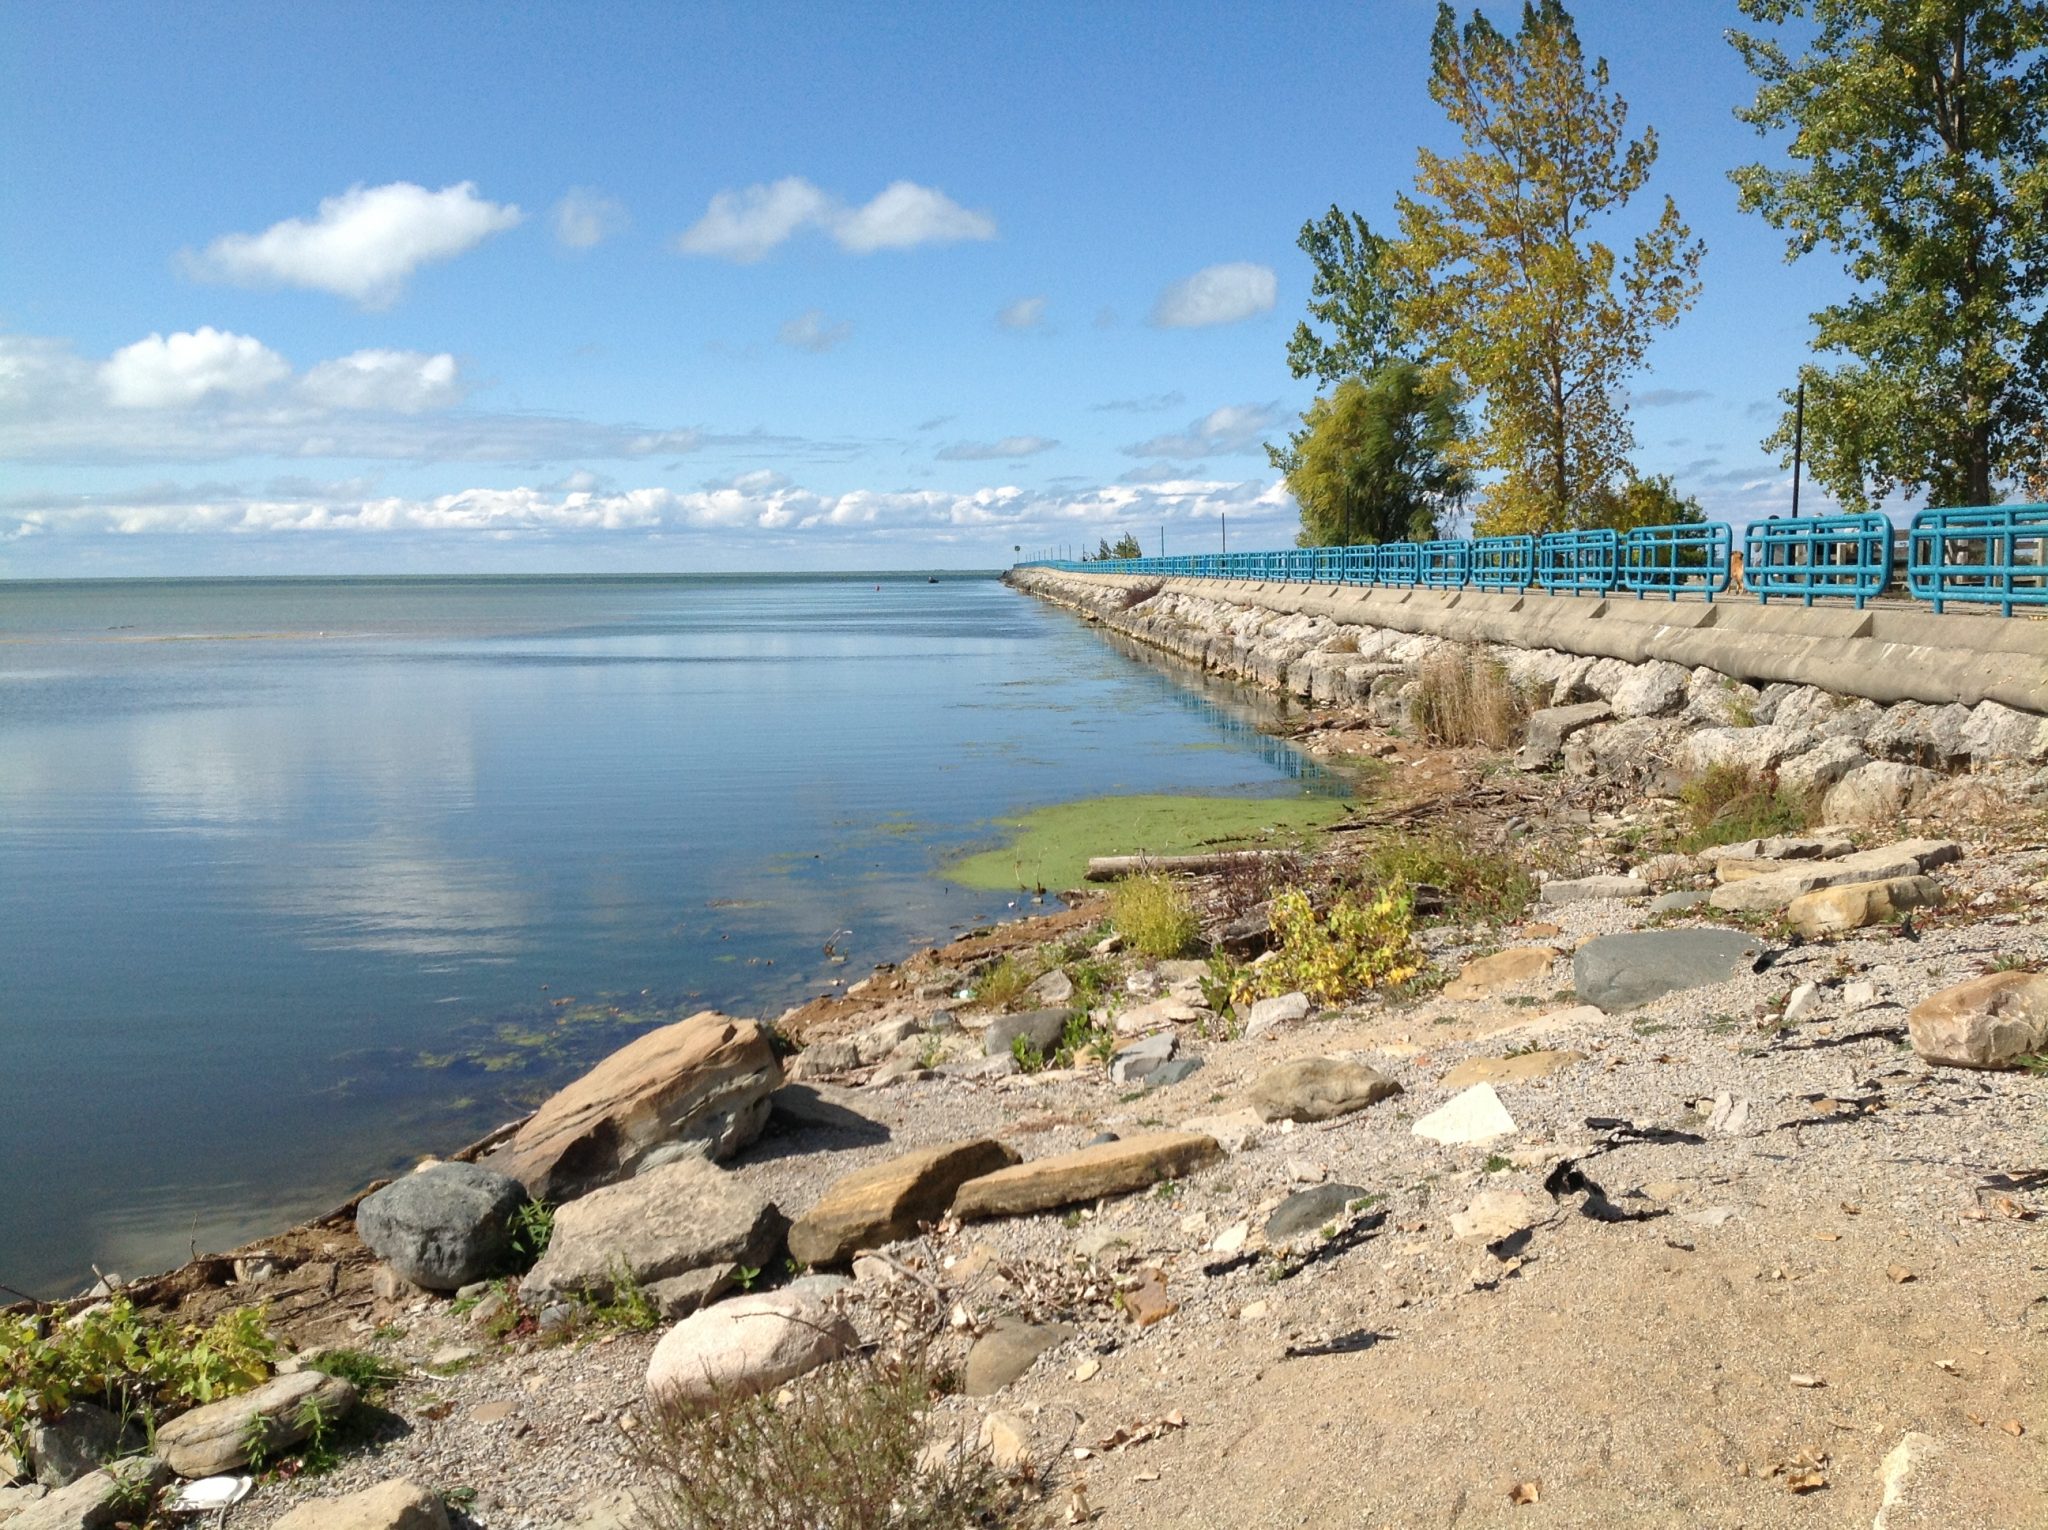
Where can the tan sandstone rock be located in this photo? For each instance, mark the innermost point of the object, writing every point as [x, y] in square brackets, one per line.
[275, 1416]
[1520, 1068]
[1988, 1022]
[704, 1080]
[1108, 1168]
[1852, 905]
[394, 1505]
[1774, 889]
[886, 1201]
[1503, 972]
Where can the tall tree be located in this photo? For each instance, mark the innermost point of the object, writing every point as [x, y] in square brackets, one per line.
[1920, 152]
[1377, 459]
[1348, 297]
[1498, 271]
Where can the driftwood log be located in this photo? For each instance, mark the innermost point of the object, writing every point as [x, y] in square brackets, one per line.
[1108, 868]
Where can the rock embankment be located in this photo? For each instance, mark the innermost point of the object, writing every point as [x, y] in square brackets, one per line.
[1656, 723]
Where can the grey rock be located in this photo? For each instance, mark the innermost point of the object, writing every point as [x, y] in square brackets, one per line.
[443, 1226]
[680, 1295]
[1583, 889]
[1173, 1072]
[1271, 1014]
[1618, 972]
[393, 1505]
[1655, 689]
[748, 1344]
[274, 1417]
[1000, 1065]
[1054, 988]
[1141, 1059]
[1755, 749]
[1041, 1027]
[85, 1438]
[1006, 1352]
[1996, 732]
[1306, 1210]
[1922, 735]
[1543, 739]
[1248, 935]
[97, 1499]
[1877, 793]
[1819, 769]
[683, 1216]
[1317, 1089]
[1678, 902]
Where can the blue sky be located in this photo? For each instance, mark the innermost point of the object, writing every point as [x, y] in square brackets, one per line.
[456, 287]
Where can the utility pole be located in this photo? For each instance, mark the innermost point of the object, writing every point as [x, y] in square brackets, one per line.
[1162, 541]
[1798, 445]
[1223, 520]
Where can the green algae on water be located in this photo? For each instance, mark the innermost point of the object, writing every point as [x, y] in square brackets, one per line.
[1051, 846]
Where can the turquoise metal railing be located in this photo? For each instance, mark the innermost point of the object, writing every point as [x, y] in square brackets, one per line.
[1669, 560]
[1980, 556]
[1578, 562]
[1986, 555]
[1503, 563]
[1818, 556]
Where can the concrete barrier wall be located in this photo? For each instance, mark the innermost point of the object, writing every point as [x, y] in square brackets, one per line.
[1887, 654]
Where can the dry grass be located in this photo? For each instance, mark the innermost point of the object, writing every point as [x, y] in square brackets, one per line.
[1004, 983]
[849, 1450]
[1466, 698]
[1731, 803]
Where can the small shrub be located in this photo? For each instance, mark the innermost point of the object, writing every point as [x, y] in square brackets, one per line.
[849, 1452]
[1153, 915]
[1243, 885]
[1004, 983]
[126, 1363]
[1477, 883]
[533, 1225]
[1357, 945]
[1464, 697]
[1030, 1057]
[1732, 802]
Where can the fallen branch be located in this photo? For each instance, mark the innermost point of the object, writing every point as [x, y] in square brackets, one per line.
[1109, 868]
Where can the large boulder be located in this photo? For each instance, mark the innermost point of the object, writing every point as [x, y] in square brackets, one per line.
[1086, 1174]
[394, 1505]
[747, 1344]
[1318, 1089]
[675, 1218]
[78, 1443]
[442, 1226]
[1040, 1029]
[1655, 689]
[1618, 972]
[274, 1417]
[704, 1081]
[1877, 793]
[887, 1201]
[1994, 1021]
[1543, 738]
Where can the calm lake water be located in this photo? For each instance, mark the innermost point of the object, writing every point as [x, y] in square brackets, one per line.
[300, 879]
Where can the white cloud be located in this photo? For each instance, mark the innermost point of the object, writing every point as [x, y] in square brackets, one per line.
[210, 396]
[1235, 428]
[1008, 449]
[1025, 313]
[907, 215]
[1216, 295]
[812, 331]
[166, 371]
[586, 217]
[406, 382]
[364, 243]
[752, 503]
[745, 225]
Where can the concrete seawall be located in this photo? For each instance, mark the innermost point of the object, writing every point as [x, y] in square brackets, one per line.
[1884, 654]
